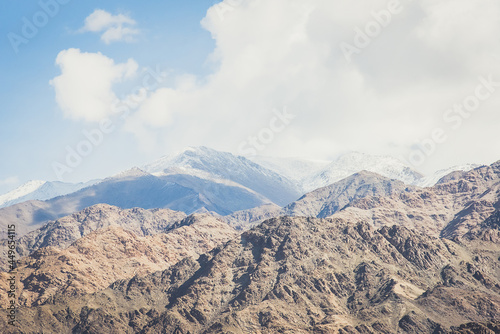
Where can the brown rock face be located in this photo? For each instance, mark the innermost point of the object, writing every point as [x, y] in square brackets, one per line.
[63, 232]
[298, 275]
[106, 255]
[456, 208]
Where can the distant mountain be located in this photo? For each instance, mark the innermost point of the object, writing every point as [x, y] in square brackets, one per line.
[195, 180]
[136, 188]
[354, 162]
[221, 167]
[309, 175]
[41, 190]
[201, 179]
[455, 208]
[326, 201]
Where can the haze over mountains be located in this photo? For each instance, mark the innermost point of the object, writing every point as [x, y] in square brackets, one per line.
[206, 242]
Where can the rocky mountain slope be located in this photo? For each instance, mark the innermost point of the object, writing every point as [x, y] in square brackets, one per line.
[300, 275]
[63, 232]
[456, 206]
[325, 201]
[367, 254]
[108, 254]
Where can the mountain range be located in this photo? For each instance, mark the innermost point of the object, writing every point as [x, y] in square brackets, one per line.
[198, 179]
[222, 244]
[195, 180]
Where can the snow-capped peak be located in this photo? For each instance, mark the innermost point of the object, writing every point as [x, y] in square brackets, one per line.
[189, 160]
[353, 162]
[207, 163]
[130, 173]
[21, 191]
[41, 190]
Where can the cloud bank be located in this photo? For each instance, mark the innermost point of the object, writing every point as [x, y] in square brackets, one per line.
[388, 97]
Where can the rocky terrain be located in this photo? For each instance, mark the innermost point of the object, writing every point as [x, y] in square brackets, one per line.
[300, 275]
[367, 254]
[108, 254]
[458, 205]
[63, 232]
[325, 201]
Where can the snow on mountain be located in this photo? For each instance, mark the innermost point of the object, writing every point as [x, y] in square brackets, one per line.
[295, 169]
[354, 162]
[209, 164]
[41, 190]
[431, 180]
[129, 173]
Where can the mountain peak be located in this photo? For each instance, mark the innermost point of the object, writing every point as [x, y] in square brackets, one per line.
[324, 202]
[193, 157]
[132, 172]
[21, 191]
[209, 164]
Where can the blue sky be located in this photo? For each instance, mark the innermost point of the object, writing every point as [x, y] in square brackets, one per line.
[33, 131]
[419, 81]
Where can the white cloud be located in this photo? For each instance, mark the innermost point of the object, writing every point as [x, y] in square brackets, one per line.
[113, 27]
[275, 53]
[84, 90]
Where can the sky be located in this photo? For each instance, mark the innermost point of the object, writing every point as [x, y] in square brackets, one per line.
[92, 88]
